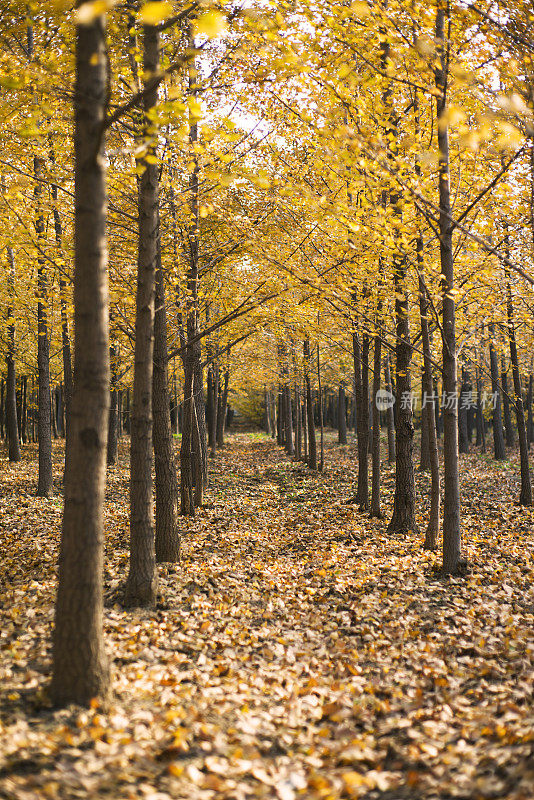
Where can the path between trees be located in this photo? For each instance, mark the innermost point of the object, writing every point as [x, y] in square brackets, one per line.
[298, 652]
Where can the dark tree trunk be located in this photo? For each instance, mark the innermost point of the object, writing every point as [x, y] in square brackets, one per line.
[321, 413]
[498, 434]
[341, 415]
[481, 430]
[80, 668]
[211, 409]
[65, 337]
[390, 416]
[304, 413]
[424, 457]
[187, 505]
[525, 495]
[452, 541]
[530, 428]
[361, 372]
[166, 482]
[428, 411]
[24, 415]
[141, 584]
[12, 427]
[200, 452]
[288, 419]
[375, 475]
[510, 438]
[466, 395]
[113, 422]
[221, 411]
[403, 518]
[298, 425]
[312, 444]
[44, 485]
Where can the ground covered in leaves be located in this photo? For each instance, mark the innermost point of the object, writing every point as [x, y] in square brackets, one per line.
[297, 650]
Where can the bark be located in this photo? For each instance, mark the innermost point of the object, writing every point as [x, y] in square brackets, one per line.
[304, 425]
[341, 415]
[187, 505]
[298, 425]
[403, 518]
[361, 372]
[466, 395]
[288, 419]
[44, 485]
[113, 421]
[390, 416]
[375, 474]
[80, 667]
[312, 444]
[481, 429]
[211, 410]
[429, 419]
[12, 427]
[65, 336]
[199, 439]
[499, 448]
[166, 482]
[221, 412]
[141, 584]
[321, 416]
[24, 415]
[508, 428]
[452, 560]
[530, 427]
[424, 459]
[525, 495]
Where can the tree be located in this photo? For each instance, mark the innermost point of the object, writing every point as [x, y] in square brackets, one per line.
[80, 667]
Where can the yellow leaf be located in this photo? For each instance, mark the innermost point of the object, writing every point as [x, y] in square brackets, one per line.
[210, 24]
[155, 12]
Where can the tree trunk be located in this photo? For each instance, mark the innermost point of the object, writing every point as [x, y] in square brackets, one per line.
[221, 412]
[65, 337]
[141, 584]
[80, 668]
[44, 485]
[288, 419]
[403, 518]
[211, 409]
[312, 444]
[530, 427]
[525, 495]
[187, 505]
[390, 416]
[510, 438]
[113, 422]
[321, 415]
[166, 482]
[375, 474]
[499, 448]
[361, 372]
[428, 411]
[298, 425]
[12, 427]
[465, 401]
[424, 457]
[24, 415]
[452, 560]
[341, 415]
[481, 430]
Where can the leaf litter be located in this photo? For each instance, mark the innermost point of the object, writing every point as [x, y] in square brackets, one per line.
[296, 651]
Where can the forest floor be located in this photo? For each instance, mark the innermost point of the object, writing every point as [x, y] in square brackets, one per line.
[297, 650]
